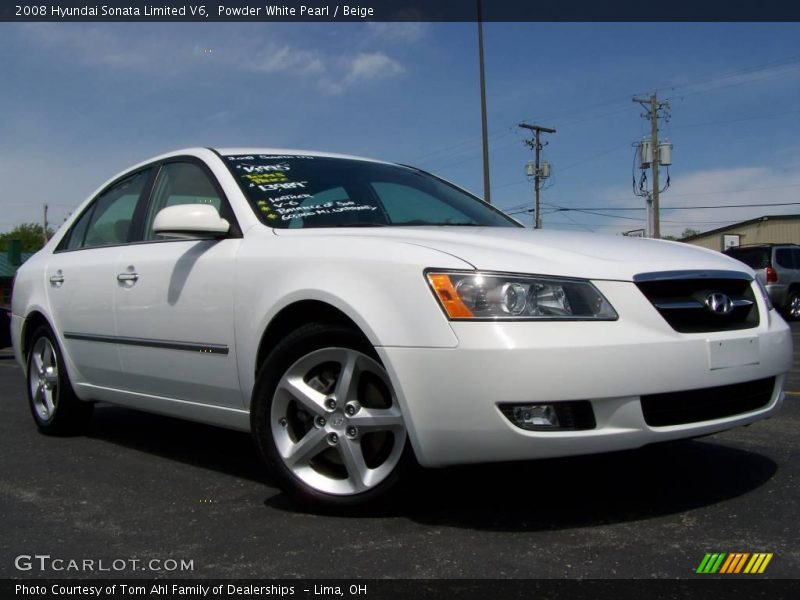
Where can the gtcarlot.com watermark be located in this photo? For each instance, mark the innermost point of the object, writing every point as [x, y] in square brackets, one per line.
[47, 563]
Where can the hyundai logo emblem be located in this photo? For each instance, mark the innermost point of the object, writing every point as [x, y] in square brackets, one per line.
[719, 303]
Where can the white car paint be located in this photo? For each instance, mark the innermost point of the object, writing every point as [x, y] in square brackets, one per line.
[449, 376]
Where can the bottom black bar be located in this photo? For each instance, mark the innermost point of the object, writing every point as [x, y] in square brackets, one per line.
[706, 587]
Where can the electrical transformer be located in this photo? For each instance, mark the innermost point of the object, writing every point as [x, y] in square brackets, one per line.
[665, 153]
[645, 153]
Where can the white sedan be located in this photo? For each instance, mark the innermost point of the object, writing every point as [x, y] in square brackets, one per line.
[358, 316]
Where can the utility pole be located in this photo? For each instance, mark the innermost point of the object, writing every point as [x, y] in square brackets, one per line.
[537, 146]
[653, 106]
[487, 192]
[44, 230]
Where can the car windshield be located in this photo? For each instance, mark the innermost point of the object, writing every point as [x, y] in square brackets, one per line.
[755, 258]
[293, 192]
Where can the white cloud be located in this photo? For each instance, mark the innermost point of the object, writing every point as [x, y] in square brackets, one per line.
[369, 66]
[396, 32]
[361, 67]
[152, 51]
[276, 58]
[756, 186]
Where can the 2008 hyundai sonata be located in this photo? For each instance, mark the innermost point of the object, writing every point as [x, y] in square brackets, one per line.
[357, 316]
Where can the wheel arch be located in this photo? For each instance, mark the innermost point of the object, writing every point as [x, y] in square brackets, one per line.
[296, 314]
[34, 319]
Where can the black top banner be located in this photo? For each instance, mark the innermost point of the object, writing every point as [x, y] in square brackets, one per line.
[400, 10]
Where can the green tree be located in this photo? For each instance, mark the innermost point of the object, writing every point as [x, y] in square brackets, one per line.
[689, 232]
[30, 234]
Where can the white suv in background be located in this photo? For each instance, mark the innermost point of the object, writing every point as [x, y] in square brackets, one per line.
[357, 316]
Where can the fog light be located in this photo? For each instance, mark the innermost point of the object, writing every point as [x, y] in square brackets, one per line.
[535, 416]
[567, 415]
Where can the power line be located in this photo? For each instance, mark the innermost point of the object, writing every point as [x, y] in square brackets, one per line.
[507, 130]
[619, 208]
[640, 220]
[739, 120]
[745, 71]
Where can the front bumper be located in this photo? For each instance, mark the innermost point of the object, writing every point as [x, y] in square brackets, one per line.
[450, 396]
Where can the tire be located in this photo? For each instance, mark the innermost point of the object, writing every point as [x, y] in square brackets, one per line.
[53, 403]
[792, 310]
[331, 443]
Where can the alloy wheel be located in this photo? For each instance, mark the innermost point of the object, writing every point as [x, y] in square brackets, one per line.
[336, 422]
[43, 379]
[794, 307]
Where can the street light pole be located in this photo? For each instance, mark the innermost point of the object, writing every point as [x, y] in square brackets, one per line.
[487, 193]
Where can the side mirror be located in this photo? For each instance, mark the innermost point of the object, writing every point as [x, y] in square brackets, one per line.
[190, 221]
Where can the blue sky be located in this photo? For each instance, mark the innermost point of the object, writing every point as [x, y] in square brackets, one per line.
[83, 101]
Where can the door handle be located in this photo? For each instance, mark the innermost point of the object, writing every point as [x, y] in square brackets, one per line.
[128, 277]
[56, 280]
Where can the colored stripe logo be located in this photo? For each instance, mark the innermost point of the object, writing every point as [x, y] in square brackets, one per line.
[734, 562]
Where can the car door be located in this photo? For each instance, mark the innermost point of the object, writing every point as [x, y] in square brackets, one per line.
[81, 280]
[174, 304]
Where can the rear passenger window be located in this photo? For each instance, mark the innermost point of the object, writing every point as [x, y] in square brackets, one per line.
[783, 257]
[107, 222]
[78, 232]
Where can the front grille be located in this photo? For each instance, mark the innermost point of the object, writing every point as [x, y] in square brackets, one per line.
[682, 299]
[693, 406]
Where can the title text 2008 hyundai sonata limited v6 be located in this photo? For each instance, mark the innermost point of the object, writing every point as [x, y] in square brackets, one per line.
[357, 316]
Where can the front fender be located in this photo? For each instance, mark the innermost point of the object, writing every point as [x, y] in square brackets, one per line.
[378, 284]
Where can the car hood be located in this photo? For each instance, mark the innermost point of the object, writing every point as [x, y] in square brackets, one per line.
[585, 255]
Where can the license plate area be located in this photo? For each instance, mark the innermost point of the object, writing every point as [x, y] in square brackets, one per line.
[725, 354]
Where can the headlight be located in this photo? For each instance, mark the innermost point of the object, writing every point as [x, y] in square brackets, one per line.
[477, 295]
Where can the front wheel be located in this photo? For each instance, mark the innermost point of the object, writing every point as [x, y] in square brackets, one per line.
[327, 420]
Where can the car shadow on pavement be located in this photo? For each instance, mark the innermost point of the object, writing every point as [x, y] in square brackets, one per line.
[550, 494]
[576, 492]
[584, 491]
[222, 450]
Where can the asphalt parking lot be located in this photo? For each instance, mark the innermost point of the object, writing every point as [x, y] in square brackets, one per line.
[145, 487]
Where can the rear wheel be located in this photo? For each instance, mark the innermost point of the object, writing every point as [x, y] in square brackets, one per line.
[54, 405]
[327, 420]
